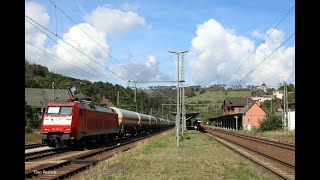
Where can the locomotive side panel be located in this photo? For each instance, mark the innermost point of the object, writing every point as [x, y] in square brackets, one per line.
[96, 121]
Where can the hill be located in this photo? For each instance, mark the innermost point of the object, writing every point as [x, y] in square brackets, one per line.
[209, 101]
[38, 76]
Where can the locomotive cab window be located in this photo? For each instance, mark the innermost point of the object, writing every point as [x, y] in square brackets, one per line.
[64, 110]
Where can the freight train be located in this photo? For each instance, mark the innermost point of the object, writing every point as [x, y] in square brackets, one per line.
[65, 124]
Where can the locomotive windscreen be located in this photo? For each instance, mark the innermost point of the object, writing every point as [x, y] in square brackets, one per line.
[58, 115]
[63, 110]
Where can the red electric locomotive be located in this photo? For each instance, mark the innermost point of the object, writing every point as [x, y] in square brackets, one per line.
[66, 123]
[80, 122]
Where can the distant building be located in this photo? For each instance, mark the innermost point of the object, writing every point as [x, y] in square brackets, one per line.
[264, 87]
[261, 96]
[247, 118]
[235, 104]
[291, 114]
[277, 94]
[39, 98]
[252, 115]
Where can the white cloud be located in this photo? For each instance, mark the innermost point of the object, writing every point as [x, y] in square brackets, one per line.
[256, 33]
[38, 13]
[149, 70]
[70, 56]
[114, 21]
[217, 52]
[130, 7]
[82, 42]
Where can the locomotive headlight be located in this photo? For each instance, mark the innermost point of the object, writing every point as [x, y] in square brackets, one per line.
[46, 129]
[67, 129]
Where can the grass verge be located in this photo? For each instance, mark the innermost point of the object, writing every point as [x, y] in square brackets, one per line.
[199, 157]
[33, 137]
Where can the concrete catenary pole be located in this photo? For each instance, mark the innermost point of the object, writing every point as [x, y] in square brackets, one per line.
[285, 106]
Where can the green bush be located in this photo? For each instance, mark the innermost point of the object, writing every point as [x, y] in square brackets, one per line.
[28, 129]
[271, 122]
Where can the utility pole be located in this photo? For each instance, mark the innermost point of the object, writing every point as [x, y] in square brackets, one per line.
[53, 94]
[135, 92]
[271, 103]
[183, 97]
[178, 110]
[245, 124]
[162, 110]
[285, 106]
[178, 99]
[118, 98]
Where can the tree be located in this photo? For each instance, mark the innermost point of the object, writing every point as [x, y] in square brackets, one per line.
[32, 119]
[271, 122]
[266, 105]
[290, 87]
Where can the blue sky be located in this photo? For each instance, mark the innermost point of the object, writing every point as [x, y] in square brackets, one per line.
[219, 35]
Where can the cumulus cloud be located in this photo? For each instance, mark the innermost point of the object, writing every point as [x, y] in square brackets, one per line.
[91, 62]
[256, 33]
[217, 52]
[130, 7]
[114, 21]
[149, 70]
[33, 35]
[95, 59]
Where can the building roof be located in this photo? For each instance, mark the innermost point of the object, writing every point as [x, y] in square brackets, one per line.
[261, 93]
[246, 108]
[40, 97]
[237, 101]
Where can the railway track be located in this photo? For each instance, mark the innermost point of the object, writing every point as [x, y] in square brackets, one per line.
[44, 153]
[75, 164]
[274, 143]
[31, 146]
[279, 158]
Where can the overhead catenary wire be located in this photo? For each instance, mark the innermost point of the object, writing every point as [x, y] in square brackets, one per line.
[150, 68]
[265, 58]
[63, 47]
[60, 59]
[112, 57]
[71, 65]
[56, 6]
[76, 48]
[265, 38]
[80, 50]
[292, 68]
